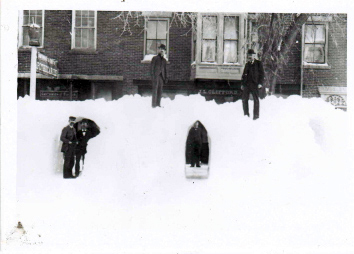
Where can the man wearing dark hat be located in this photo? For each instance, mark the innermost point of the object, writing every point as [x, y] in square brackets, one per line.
[68, 136]
[84, 134]
[252, 82]
[158, 75]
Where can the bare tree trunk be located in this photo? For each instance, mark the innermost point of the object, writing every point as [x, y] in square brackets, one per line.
[287, 43]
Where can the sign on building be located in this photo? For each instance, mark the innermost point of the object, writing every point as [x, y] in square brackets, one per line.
[47, 66]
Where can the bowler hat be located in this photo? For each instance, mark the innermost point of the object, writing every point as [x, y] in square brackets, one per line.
[162, 46]
[251, 52]
[84, 120]
[72, 118]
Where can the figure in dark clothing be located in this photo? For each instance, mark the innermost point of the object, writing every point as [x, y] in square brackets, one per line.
[69, 139]
[85, 131]
[195, 139]
[158, 75]
[252, 81]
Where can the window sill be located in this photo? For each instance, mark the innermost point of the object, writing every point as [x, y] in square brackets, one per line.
[317, 66]
[223, 64]
[83, 52]
[149, 61]
[28, 48]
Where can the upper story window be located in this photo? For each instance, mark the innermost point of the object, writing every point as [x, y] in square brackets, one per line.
[156, 33]
[231, 25]
[28, 17]
[315, 43]
[84, 30]
[220, 39]
[209, 38]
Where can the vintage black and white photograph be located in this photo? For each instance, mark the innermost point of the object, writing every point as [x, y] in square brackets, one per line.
[141, 128]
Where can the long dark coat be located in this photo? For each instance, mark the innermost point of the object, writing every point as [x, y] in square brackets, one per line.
[67, 135]
[253, 74]
[83, 139]
[158, 67]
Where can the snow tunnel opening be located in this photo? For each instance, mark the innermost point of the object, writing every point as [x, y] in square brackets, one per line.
[197, 152]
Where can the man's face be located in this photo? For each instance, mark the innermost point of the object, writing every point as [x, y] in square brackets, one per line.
[196, 125]
[161, 51]
[71, 123]
[84, 126]
[250, 57]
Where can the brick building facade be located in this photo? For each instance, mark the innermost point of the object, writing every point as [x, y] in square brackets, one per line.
[100, 57]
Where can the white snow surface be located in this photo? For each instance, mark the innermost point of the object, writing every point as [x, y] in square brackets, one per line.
[280, 184]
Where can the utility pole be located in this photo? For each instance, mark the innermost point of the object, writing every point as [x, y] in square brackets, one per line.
[34, 34]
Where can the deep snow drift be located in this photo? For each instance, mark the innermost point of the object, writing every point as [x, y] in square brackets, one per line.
[281, 183]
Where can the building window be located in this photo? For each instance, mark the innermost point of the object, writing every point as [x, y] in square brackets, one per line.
[219, 41]
[209, 39]
[231, 25]
[155, 35]
[27, 18]
[84, 30]
[315, 43]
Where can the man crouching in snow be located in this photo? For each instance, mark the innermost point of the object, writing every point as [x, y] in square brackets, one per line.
[84, 134]
[68, 136]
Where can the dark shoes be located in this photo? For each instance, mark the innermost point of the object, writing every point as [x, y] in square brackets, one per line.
[198, 166]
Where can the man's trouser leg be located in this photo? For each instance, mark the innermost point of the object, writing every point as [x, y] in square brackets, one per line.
[154, 92]
[245, 98]
[159, 90]
[69, 160]
[255, 94]
[77, 162]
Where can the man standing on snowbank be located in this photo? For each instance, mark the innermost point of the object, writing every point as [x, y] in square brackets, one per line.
[252, 81]
[68, 136]
[158, 75]
[87, 131]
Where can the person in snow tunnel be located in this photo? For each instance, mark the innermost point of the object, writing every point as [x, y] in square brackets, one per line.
[86, 129]
[69, 139]
[252, 82]
[158, 75]
[195, 142]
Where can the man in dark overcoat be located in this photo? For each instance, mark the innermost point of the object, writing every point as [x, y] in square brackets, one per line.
[195, 140]
[69, 139]
[84, 134]
[252, 82]
[158, 75]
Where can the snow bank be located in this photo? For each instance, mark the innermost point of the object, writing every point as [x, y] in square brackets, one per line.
[283, 182]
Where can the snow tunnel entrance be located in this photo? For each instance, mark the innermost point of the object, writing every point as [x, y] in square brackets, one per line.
[197, 152]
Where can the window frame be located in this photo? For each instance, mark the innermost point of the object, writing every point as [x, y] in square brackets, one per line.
[310, 64]
[220, 38]
[146, 20]
[238, 18]
[216, 39]
[73, 32]
[20, 30]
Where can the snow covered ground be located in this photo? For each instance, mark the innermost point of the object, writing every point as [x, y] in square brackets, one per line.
[281, 184]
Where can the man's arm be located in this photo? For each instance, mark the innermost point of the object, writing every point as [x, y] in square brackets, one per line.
[63, 136]
[165, 70]
[152, 66]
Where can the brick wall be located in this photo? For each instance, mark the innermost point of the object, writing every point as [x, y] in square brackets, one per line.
[121, 53]
[337, 60]
[117, 53]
